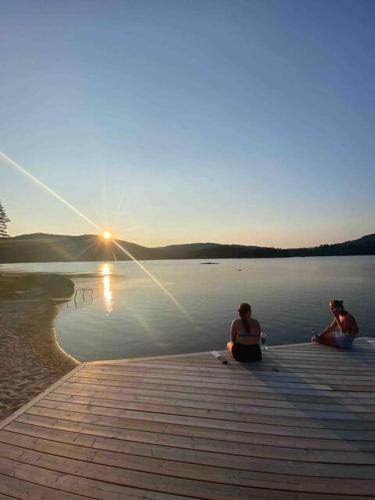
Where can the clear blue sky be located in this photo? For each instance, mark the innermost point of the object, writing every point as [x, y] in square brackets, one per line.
[191, 120]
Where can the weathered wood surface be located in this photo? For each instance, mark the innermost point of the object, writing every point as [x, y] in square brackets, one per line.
[299, 425]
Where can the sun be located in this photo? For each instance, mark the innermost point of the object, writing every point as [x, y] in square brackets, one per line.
[107, 235]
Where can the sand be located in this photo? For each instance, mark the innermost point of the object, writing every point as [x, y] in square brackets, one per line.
[30, 357]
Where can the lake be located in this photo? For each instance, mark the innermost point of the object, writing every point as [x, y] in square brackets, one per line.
[125, 314]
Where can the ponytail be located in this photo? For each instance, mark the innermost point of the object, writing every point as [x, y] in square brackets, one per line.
[243, 310]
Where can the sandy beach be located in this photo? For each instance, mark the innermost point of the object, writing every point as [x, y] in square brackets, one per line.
[30, 357]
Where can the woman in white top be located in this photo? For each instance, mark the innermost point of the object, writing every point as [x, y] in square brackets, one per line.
[245, 336]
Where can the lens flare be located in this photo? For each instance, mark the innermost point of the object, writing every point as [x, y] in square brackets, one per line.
[101, 231]
[154, 279]
[107, 235]
[23, 171]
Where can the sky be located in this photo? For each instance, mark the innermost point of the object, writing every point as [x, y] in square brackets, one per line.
[178, 121]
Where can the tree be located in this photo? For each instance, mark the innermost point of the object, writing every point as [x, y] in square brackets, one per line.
[3, 221]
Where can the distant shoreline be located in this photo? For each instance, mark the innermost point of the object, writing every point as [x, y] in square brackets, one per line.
[92, 248]
[73, 275]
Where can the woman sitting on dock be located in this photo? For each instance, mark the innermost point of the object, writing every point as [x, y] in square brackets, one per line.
[245, 334]
[343, 329]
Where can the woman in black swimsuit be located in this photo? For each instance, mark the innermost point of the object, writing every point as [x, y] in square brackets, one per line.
[245, 335]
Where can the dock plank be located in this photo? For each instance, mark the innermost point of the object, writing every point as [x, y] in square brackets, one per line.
[297, 418]
[202, 400]
[276, 426]
[299, 425]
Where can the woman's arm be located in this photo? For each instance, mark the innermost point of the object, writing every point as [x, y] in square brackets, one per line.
[331, 328]
[257, 330]
[233, 331]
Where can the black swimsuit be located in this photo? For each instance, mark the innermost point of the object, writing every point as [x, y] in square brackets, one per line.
[245, 352]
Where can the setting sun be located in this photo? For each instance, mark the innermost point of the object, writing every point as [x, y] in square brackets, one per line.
[107, 235]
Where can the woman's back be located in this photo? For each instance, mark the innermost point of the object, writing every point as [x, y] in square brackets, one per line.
[247, 334]
[347, 323]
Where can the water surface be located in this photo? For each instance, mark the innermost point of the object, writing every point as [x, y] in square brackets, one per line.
[128, 315]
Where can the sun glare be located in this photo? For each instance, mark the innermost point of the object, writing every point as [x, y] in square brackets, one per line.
[106, 270]
[107, 235]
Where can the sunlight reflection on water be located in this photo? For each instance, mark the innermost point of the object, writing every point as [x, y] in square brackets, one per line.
[107, 291]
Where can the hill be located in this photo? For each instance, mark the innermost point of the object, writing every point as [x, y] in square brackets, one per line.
[41, 247]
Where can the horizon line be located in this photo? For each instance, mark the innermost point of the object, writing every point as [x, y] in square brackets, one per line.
[184, 244]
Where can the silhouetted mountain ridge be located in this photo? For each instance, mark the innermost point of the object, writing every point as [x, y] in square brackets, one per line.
[40, 247]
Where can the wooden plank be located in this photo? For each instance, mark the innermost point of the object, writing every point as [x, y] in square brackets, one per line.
[294, 358]
[231, 381]
[204, 382]
[270, 435]
[282, 417]
[310, 350]
[28, 490]
[4, 497]
[347, 357]
[313, 352]
[245, 381]
[208, 420]
[275, 369]
[125, 478]
[180, 486]
[269, 362]
[203, 457]
[128, 400]
[298, 402]
[297, 345]
[241, 376]
[307, 454]
[124, 361]
[252, 392]
[321, 354]
[265, 365]
[62, 485]
[223, 474]
[327, 362]
[271, 371]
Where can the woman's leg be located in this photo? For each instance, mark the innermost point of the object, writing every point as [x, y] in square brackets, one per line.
[344, 341]
[235, 350]
[327, 339]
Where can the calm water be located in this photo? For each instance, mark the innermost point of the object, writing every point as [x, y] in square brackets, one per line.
[128, 315]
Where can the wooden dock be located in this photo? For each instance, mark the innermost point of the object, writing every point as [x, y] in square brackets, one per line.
[299, 425]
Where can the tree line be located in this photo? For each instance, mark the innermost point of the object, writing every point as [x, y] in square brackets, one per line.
[4, 220]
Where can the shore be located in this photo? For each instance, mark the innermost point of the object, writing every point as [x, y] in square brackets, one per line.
[30, 357]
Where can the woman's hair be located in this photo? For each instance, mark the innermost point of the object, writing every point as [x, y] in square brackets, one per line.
[338, 303]
[243, 310]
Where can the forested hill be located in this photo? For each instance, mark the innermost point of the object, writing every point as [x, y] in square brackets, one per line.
[59, 248]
